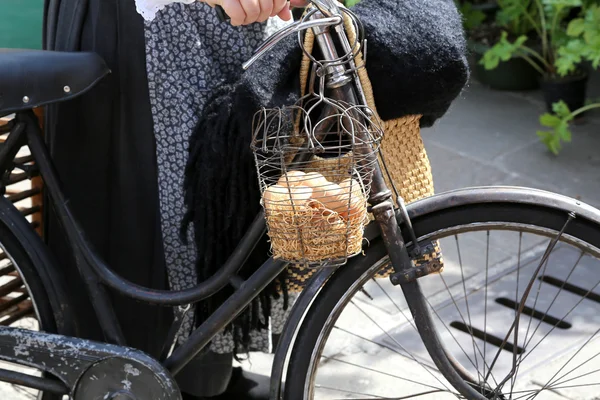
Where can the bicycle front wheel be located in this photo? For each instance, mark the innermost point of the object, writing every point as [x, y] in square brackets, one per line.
[516, 306]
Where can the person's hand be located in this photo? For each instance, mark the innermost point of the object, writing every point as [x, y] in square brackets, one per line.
[244, 12]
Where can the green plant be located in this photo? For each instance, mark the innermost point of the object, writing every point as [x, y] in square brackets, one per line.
[350, 3]
[559, 124]
[562, 50]
[584, 43]
[472, 18]
[517, 17]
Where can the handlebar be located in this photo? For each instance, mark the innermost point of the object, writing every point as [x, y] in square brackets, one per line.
[329, 8]
[296, 27]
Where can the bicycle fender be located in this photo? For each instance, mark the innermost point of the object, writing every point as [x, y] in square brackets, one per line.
[293, 322]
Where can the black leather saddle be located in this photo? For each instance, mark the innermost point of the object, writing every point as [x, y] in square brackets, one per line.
[32, 78]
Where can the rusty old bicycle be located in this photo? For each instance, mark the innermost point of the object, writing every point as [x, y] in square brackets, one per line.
[489, 325]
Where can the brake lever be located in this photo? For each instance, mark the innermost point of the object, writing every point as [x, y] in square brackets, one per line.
[295, 27]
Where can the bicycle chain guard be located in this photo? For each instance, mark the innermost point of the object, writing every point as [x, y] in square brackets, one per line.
[90, 370]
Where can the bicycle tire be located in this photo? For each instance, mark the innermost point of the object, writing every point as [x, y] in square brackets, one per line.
[19, 257]
[312, 329]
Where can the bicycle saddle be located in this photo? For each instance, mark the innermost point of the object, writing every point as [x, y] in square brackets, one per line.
[32, 78]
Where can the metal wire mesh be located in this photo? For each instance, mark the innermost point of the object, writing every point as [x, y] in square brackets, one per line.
[315, 161]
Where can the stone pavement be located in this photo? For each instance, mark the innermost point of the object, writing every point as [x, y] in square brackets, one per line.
[488, 138]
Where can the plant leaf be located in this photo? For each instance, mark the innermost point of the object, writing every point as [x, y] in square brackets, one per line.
[471, 18]
[549, 120]
[570, 56]
[501, 51]
[576, 27]
[562, 3]
[563, 131]
[561, 109]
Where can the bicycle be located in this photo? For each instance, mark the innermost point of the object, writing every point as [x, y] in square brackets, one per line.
[542, 223]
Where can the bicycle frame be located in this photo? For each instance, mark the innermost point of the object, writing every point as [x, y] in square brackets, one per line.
[97, 275]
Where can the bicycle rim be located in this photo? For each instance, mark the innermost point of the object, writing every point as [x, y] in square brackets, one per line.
[30, 301]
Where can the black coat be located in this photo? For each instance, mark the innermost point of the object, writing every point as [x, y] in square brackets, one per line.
[103, 147]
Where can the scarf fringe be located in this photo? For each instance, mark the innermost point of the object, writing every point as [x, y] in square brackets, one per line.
[221, 194]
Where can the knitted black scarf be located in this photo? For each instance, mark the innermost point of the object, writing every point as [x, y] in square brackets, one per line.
[417, 65]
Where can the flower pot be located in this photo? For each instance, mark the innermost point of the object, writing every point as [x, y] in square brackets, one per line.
[514, 74]
[571, 90]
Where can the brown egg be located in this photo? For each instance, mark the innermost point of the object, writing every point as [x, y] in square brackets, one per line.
[353, 200]
[280, 198]
[292, 178]
[315, 180]
[327, 195]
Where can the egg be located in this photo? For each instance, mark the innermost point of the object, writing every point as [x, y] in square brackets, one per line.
[353, 200]
[292, 178]
[315, 180]
[281, 198]
[328, 195]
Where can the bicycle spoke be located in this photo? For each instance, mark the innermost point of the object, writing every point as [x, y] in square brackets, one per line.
[553, 390]
[396, 305]
[386, 374]
[398, 343]
[513, 380]
[462, 275]
[528, 325]
[458, 343]
[527, 342]
[569, 360]
[476, 349]
[559, 321]
[515, 325]
[371, 396]
[578, 376]
[554, 299]
[383, 345]
[487, 265]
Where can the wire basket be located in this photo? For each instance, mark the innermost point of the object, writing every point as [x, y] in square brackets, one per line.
[315, 164]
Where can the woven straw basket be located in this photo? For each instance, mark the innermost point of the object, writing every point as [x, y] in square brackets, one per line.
[402, 149]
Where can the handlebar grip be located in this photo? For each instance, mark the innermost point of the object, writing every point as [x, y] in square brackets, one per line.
[221, 14]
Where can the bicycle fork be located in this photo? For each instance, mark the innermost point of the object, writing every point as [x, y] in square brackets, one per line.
[382, 207]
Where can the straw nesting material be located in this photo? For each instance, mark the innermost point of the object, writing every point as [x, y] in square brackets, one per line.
[311, 219]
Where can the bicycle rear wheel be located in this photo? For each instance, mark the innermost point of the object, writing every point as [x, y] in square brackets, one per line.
[359, 339]
[25, 304]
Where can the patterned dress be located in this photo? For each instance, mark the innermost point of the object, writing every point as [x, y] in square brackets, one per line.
[189, 53]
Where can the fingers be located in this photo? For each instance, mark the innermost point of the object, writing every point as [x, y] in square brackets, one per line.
[266, 9]
[236, 12]
[299, 3]
[252, 9]
[285, 14]
[244, 12]
[278, 6]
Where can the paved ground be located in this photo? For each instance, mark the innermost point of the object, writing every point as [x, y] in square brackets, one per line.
[487, 138]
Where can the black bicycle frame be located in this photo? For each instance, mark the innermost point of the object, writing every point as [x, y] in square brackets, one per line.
[96, 274]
